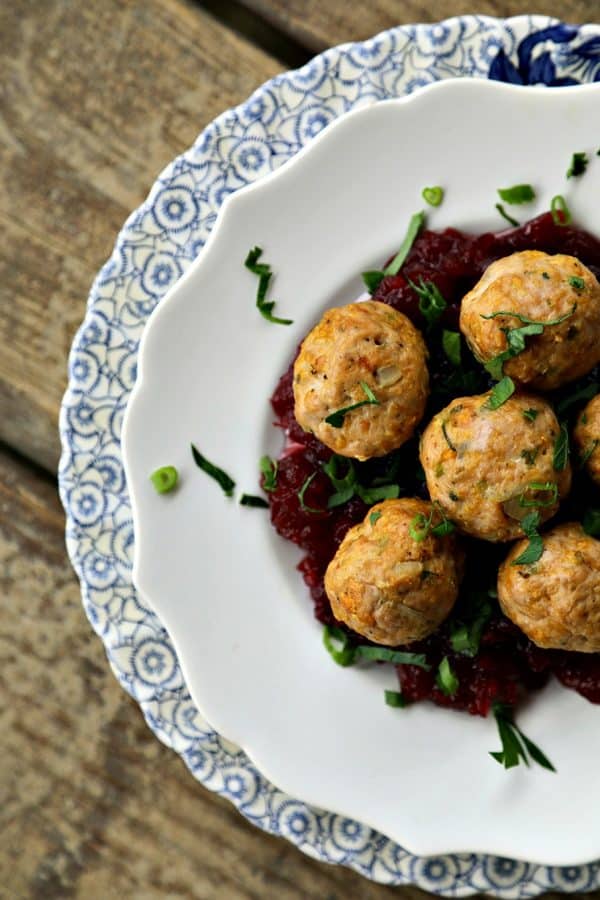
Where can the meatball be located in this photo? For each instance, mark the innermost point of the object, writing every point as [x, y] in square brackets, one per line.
[362, 344]
[556, 601]
[542, 288]
[388, 586]
[587, 437]
[488, 468]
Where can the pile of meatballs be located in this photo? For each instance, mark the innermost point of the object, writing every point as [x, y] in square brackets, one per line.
[486, 468]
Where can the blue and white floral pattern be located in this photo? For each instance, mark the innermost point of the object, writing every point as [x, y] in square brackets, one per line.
[156, 245]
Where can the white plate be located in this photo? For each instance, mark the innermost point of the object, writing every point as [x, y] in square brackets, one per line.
[225, 585]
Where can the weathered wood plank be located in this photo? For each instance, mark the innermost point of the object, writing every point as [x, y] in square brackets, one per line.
[91, 804]
[318, 25]
[95, 99]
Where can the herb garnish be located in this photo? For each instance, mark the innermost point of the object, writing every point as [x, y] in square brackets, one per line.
[561, 214]
[374, 278]
[506, 216]
[516, 337]
[500, 393]
[519, 193]
[433, 195]
[540, 488]
[530, 456]
[222, 478]
[252, 500]
[579, 163]
[531, 414]
[466, 636]
[588, 452]
[451, 346]
[374, 517]
[347, 487]
[591, 522]
[347, 653]
[561, 449]
[431, 301]
[264, 273]
[576, 282]
[164, 479]
[515, 746]
[535, 548]
[336, 419]
[446, 678]
[395, 699]
[268, 468]
[446, 438]
[300, 494]
[421, 526]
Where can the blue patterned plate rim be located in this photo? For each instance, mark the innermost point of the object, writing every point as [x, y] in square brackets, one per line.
[154, 248]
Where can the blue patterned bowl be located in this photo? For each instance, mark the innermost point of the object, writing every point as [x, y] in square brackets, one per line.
[154, 248]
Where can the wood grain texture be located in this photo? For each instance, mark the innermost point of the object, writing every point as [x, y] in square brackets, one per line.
[95, 99]
[319, 25]
[91, 804]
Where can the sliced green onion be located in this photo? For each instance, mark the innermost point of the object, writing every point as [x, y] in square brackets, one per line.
[395, 699]
[561, 214]
[446, 678]
[164, 479]
[336, 419]
[252, 500]
[222, 478]
[433, 195]
[500, 393]
[519, 193]
[579, 163]
[560, 456]
[506, 216]
[268, 468]
[264, 273]
[540, 487]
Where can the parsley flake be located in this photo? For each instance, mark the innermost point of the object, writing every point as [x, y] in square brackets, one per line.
[336, 419]
[431, 301]
[300, 494]
[515, 745]
[561, 449]
[579, 163]
[535, 548]
[252, 500]
[374, 517]
[421, 526]
[576, 282]
[373, 279]
[451, 346]
[395, 699]
[519, 193]
[222, 478]
[506, 216]
[500, 393]
[531, 414]
[264, 273]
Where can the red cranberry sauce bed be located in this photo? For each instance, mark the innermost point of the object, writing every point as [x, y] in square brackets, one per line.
[506, 665]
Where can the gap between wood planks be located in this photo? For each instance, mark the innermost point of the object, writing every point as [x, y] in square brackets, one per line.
[258, 31]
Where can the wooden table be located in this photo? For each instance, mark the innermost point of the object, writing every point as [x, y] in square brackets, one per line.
[91, 804]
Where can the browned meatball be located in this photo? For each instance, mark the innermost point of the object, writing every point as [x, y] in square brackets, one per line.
[388, 586]
[488, 468]
[362, 344]
[587, 437]
[542, 288]
[556, 601]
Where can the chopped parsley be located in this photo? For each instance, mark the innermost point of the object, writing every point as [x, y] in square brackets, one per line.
[530, 456]
[433, 195]
[264, 273]
[465, 636]
[500, 393]
[268, 468]
[431, 301]
[545, 494]
[252, 500]
[374, 517]
[591, 522]
[519, 193]
[515, 746]
[222, 478]
[164, 479]
[451, 346]
[576, 282]
[421, 526]
[516, 337]
[531, 414]
[588, 452]
[506, 216]
[446, 438]
[561, 449]
[374, 278]
[336, 419]
[300, 494]
[561, 214]
[347, 486]
[579, 163]
[446, 678]
[535, 548]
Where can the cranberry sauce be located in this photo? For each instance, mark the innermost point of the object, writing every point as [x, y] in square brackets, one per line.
[507, 665]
